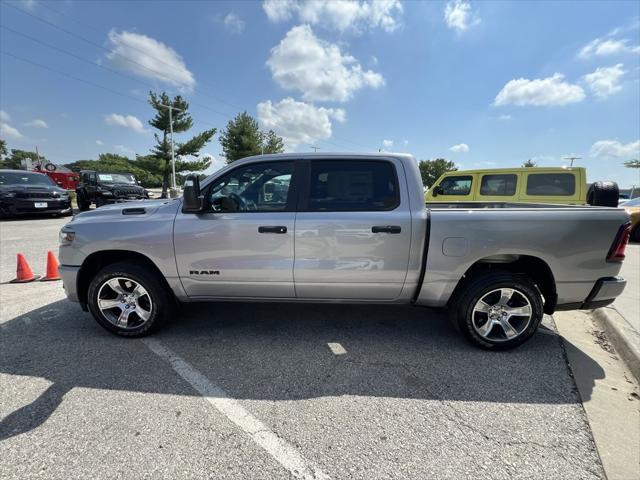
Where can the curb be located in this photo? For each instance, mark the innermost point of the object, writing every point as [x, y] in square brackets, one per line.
[624, 338]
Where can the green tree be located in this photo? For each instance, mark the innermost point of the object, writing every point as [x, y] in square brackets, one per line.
[272, 143]
[632, 164]
[181, 121]
[242, 138]
[16, 157]
[431, 170]
[530, 164]
[3, 149]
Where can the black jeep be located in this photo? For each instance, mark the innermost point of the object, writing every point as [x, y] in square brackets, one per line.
[102, 188]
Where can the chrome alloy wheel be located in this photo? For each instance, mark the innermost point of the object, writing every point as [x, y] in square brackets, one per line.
[502, 314]
[124, 303]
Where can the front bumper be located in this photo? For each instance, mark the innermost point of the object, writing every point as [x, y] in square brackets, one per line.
[23, 206]
[69, 276]
[603, 293]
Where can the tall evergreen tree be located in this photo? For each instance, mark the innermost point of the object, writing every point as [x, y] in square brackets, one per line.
[182, 122]
[242, 138]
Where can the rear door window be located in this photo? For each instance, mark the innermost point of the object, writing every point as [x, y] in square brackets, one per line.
[551, 184]
[498, 185]
[456, 185]
[352, 186]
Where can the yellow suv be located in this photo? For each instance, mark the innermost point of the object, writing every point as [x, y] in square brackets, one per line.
[563, 185]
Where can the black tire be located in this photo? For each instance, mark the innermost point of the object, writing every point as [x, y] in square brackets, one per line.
[603, 194]
[461, 308]
[161, 305]
[83, 204]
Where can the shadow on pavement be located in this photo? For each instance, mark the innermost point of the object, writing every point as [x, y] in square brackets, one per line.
[280, 352]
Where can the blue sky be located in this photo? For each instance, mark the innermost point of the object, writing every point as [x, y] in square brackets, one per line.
[486, 84]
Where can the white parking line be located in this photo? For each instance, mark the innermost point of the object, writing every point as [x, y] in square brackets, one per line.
[336, 348]
[284, 453]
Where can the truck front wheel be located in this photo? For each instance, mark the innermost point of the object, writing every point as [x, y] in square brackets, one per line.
[83, 204]
[126, 299]
[497, 311]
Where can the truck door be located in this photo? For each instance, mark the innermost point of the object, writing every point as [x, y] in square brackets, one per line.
[353, 230]
[242, 244]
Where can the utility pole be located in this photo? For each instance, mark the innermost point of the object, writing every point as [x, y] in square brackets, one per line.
[572, 159]
[315, 149]
[173, 193]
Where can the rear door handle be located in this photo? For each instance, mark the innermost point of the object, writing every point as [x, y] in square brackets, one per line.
[272, 229]
[386, 229]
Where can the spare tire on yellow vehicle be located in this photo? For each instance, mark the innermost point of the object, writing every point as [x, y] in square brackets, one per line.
[603, 194]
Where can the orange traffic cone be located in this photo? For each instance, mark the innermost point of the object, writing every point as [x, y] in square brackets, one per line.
[24, 273]
[52, 268]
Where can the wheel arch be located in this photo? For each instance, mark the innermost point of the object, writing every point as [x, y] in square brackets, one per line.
[98, 260]
[534, 267]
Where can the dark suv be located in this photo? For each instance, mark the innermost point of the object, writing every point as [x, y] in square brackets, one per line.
[102, 188]
[23, 192]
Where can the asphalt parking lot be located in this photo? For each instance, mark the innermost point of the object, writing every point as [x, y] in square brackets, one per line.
[240, 390]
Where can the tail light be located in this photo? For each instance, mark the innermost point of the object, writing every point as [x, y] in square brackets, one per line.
[616, 252]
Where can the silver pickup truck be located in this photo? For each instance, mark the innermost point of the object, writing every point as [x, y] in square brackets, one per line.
[341, 228]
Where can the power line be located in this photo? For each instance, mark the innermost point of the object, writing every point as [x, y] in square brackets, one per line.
[95, 64]
[129, 59]
[156, 72]
[82, 80]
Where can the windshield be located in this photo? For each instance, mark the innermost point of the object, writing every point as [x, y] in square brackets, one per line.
[117, 178]
[24, 178]
[633, 203]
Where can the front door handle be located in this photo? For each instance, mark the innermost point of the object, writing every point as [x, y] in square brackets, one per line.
[272, 229]
[386, 229]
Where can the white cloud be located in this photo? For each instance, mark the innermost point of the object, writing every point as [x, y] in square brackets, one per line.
[4, 116]
[613, 148]
[504, 118]
[7, 131]
[233, 23]
[459, 15]
[128, 121]
[341, 15]
[318, 69]
[37, 123]
[387, 143]
[149, 58]
[99, 142]
[550, 91]
[605, 81]
[298, 122]
[460, 148]
[607, 46]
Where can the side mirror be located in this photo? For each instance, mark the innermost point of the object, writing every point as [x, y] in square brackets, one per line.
[437, 190]
[191, 198]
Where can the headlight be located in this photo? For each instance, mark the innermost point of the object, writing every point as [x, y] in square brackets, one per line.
[67, 236]
[107, 193]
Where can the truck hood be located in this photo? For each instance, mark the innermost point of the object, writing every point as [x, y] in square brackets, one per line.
[134, 209]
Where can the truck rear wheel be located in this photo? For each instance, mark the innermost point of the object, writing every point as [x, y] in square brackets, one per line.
[126, 299]
[497, 311]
